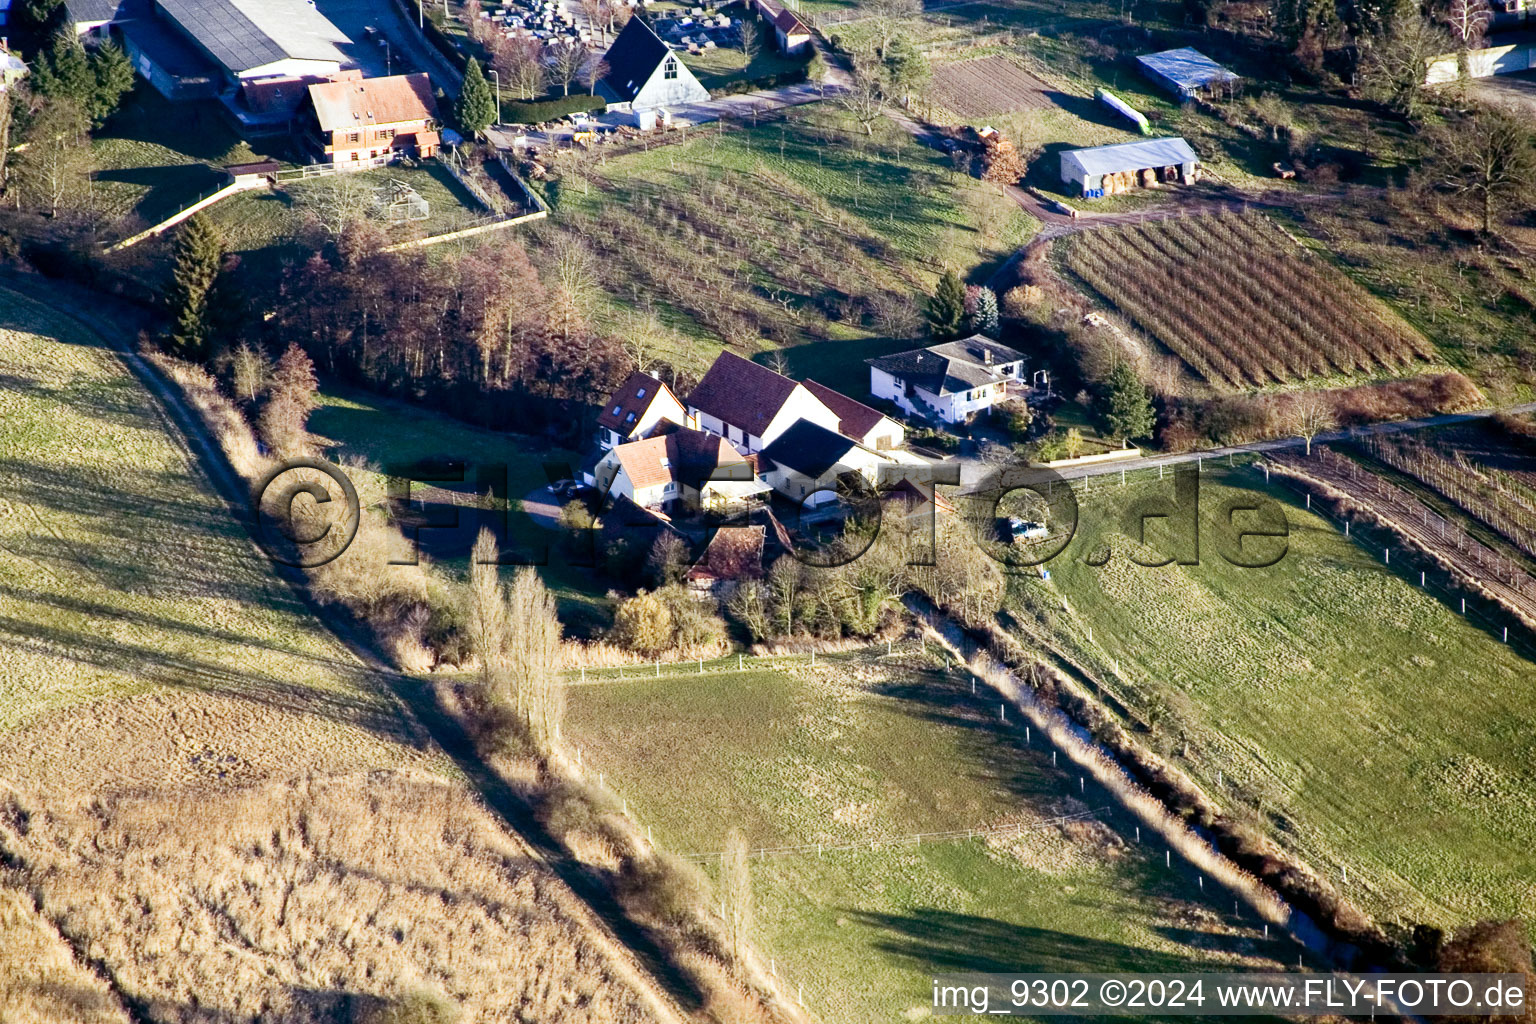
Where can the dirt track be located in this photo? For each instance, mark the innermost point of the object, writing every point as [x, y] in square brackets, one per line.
[645, 965]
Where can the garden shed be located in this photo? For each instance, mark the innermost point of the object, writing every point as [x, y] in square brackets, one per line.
[1187, 73]
[1106, 170]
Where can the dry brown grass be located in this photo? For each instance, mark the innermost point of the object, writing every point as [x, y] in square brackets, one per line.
[40, 982]
[285, 900]
[208, 807]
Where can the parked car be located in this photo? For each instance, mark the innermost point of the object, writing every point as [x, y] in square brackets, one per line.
[1026, 529]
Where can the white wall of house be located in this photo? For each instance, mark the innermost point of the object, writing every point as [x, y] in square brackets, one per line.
[664, 407]
[952, 408]
[801, 405]
[661, 91]
[795, 42]
[885, 434]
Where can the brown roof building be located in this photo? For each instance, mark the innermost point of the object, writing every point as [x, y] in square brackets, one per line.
[870, 427]
[750, 405]
[640, 407]
[361, 122]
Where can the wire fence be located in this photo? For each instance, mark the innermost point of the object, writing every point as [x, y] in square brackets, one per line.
[741, 662]
[1433, 579]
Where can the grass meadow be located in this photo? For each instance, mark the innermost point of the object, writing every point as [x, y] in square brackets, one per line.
[378, 433]
[1370, 727]
[861, 748]
[794, 232]
[200, 789]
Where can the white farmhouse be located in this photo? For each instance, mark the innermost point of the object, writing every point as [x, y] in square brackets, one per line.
[806, 462]
[750, 405]
[640, 406]
[950, 382]
[870, 427]
[684, 468]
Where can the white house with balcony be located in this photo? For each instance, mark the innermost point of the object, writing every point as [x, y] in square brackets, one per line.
[950, 382]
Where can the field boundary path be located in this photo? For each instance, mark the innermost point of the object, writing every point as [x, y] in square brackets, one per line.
[1404, 514]
[634, 953]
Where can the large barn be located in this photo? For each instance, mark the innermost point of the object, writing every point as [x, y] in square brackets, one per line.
[261, 55]
[1106, 170]
[644, 74]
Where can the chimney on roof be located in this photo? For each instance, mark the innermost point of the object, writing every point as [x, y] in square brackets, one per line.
[986, 354]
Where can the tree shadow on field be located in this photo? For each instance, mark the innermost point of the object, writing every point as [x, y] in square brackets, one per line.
[935, 940]
[995, 754]
[181, 671]
[155, 532]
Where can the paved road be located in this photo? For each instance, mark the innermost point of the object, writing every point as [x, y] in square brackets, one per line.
[970, 480]
[406, 37]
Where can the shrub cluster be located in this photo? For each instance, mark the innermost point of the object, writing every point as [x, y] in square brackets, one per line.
[536, 111]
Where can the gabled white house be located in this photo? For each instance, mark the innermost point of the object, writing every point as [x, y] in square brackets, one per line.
[805, 463]
[682, 468]
[637, 409]
[951, 382]
[644, 73]
[750, 405]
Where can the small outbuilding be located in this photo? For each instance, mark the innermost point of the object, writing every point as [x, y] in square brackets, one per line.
[1187, 73]
[1106, 170]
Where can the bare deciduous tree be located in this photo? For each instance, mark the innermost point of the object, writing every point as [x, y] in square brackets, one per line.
[520, 63]
[337, 202]
[1485, 159]
[736, 893]
[55, 166]
[885, 18]
[1468, 20]
[1310, 414]
[751, 37]
[565, 59]
[1395, 61]
[864, 98]
[533, 653]
[593, 71]
[487, 617]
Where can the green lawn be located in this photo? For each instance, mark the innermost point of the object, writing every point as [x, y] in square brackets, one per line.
[1377, 730]
[725, 64]
[154, 157]
[859, 749]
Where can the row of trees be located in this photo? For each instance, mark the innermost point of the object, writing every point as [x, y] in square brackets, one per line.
[476, 327]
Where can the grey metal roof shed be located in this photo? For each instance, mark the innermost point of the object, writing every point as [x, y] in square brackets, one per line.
[1186, 71]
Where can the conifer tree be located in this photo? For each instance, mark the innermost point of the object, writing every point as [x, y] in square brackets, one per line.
[476, 109]
[199, 252]
[1127, 406]
[946, 309]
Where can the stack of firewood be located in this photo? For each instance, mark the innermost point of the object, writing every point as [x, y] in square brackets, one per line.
[1000, 161]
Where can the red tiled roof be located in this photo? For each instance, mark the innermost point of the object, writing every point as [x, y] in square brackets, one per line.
[392, 100]
[742, 393]
[734, 552]
[790, 25]
[686, 456]
[854, 419]
[627, 404]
